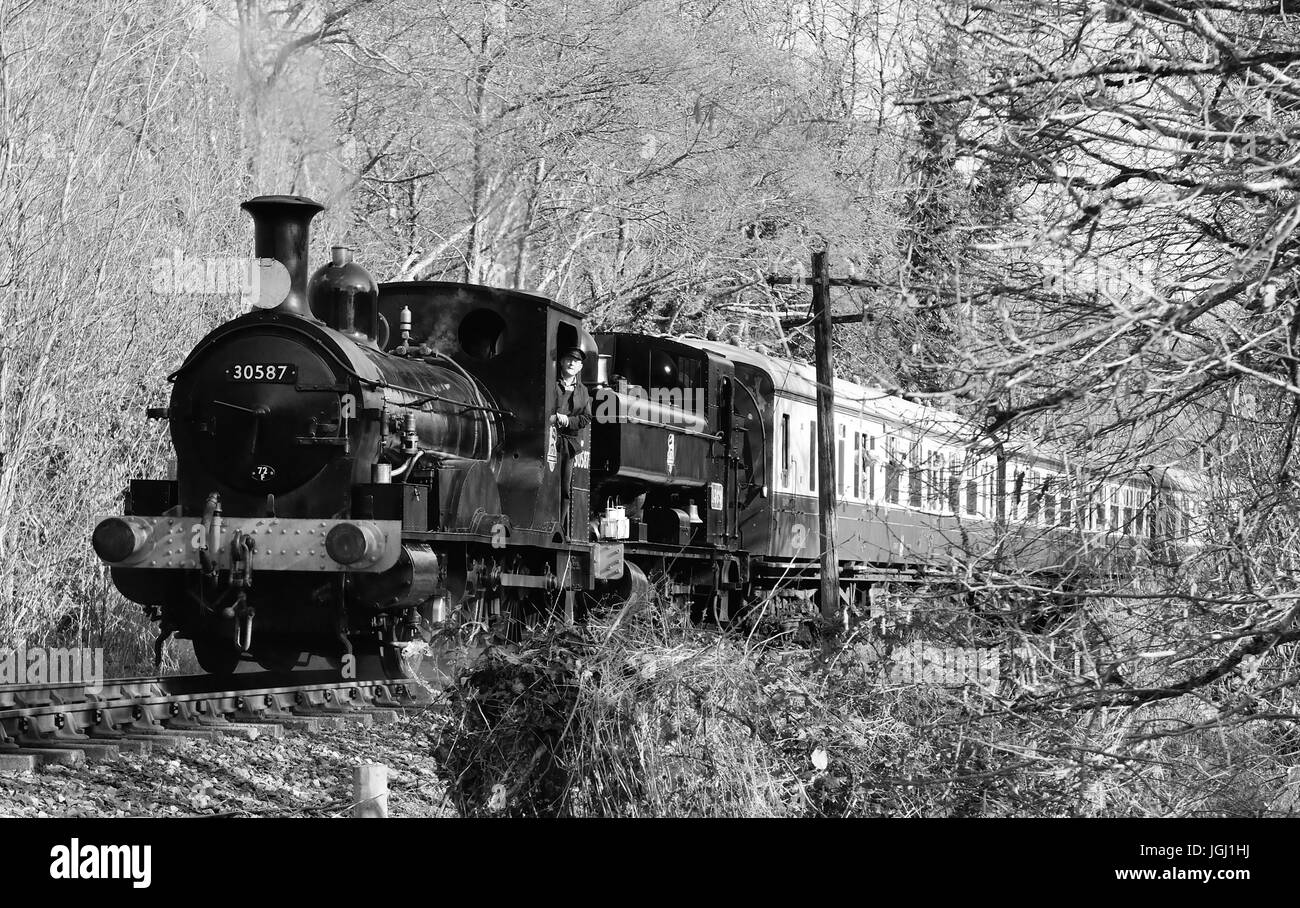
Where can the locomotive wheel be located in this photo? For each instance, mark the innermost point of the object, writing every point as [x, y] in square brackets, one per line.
[216, 656]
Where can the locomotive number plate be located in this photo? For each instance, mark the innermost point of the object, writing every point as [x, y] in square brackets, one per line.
[279, 373]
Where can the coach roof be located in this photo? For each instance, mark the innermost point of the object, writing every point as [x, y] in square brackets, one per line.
[799, 380]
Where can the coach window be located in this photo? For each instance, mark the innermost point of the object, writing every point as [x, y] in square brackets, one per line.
[839, 465]
[812, 455]
[954, 483]
[938, 481]
[893, 471]
[914, 473]
[927, 478]
[857, 464]
[869, 464]
[785, 450]
[947, 469]
[1017, 495]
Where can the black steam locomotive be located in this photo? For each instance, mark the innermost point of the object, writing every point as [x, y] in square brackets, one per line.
[355, 461]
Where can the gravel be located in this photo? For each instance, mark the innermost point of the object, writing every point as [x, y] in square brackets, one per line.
[297, 775]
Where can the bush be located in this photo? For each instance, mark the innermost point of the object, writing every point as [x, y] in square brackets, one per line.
[648, 716]
[646, 719]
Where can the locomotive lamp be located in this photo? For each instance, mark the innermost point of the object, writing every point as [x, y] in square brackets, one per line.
[614, 525]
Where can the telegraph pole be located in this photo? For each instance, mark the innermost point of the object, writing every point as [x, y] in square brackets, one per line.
[826, 488]
[823, 328]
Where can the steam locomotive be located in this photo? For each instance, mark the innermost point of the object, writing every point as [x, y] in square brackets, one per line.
[357, 461]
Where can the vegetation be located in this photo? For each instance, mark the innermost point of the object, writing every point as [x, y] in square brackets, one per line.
[650, 716]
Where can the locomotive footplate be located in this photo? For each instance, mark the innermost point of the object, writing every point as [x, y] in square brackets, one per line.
[670, 550]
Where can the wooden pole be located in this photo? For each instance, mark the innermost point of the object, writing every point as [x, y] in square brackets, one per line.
[370, 791]
[822, 333]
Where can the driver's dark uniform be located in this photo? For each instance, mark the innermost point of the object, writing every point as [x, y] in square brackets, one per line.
[575, 403]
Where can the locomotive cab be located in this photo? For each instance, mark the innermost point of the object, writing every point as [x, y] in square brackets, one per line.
[494, 335]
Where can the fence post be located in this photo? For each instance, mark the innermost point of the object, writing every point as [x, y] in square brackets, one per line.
[370, 790]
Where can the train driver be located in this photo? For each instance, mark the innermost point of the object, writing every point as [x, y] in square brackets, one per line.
[572, 415]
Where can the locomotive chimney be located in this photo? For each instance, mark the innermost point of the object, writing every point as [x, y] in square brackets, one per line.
[281, 229]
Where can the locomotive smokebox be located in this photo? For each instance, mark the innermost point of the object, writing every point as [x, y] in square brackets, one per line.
[281, 229]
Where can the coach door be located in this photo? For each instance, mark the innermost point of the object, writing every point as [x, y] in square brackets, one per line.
[751, 416]
[722, 490]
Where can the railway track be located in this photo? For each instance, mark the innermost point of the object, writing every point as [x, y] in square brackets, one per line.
[66, 724]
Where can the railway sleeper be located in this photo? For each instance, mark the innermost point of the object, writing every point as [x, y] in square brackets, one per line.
[286, 720]
[12, 761]
[340, 715]
[49, 755]
[95, 753]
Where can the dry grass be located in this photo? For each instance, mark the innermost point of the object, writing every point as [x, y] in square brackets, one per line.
[640, 714]
[647, 719]
[644, 715]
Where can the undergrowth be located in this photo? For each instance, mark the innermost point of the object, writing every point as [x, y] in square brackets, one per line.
[646, 715]
[643, 714]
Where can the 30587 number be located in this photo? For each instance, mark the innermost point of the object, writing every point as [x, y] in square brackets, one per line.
[271, 372]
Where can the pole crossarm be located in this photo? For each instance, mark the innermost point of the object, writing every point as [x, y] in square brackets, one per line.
[796, 281]
[841, 319]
